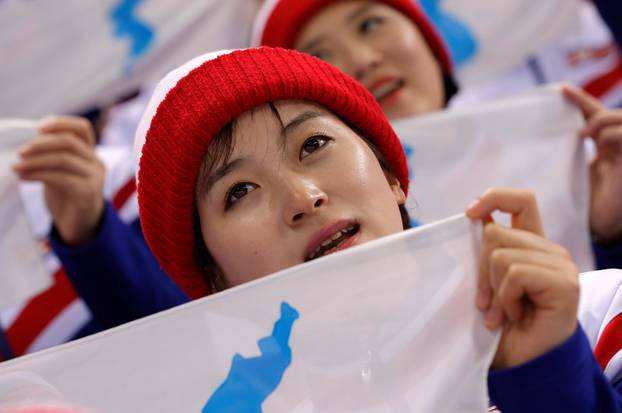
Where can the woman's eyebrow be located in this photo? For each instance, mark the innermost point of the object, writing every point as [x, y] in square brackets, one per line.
[358, 12]
[306, 48]
[300, 119]
[349, 19]
[221, 172]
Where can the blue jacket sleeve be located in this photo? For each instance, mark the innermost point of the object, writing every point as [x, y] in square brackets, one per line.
[611, 11]
[608, 256]
[567, 379]
[116, 274]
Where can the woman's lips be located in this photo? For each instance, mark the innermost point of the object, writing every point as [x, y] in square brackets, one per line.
[387, 90]
[333, 237]
[390, 99]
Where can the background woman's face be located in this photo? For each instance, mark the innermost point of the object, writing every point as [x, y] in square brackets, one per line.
[299, 185]
[381, 48]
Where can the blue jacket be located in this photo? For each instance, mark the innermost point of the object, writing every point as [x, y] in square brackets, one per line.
[116, 274]
[567, 379]
[608, 256]
[611, 11]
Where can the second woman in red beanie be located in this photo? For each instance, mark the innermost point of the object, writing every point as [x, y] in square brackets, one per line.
[389, 46]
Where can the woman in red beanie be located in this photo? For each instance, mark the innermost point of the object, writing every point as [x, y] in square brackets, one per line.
[257, 160]
[389, 46]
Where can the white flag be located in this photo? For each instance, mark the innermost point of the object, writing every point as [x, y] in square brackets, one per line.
[382, 327]
[23, 270]
[488, 38]
[61, 57]
[530, 141]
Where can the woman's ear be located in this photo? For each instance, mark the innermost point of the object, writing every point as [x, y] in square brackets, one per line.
[398, 193]
[396, 188]
[215, 277]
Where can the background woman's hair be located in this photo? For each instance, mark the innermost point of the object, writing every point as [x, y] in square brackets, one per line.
[220, 150]
[450, 87]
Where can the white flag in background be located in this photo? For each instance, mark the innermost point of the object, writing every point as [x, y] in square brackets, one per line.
[23, 270]
[488, 38]
[61, 57]
[382, 327]
[530, 141]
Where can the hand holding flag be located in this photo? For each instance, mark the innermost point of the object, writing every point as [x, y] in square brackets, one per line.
[527, 284]
[604, 126]
[63, 158]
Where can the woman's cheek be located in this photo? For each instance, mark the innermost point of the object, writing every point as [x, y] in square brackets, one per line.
[359, 172]
[244, 257]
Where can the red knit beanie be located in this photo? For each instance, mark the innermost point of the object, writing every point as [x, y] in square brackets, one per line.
[279, 22]
[192, 104]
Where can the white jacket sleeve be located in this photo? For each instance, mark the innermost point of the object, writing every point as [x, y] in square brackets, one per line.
[600, 315]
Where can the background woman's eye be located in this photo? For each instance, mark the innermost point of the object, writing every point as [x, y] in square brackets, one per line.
[322, 55]
[239, 191]
[369, 24]
[312, 144]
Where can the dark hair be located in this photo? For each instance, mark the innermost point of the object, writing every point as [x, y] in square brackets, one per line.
[450, 87]
[220, 150]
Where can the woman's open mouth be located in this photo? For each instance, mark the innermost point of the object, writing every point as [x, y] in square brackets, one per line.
[339, 240]
[386, 90]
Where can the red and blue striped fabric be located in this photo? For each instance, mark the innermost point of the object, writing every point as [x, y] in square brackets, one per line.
[57, 314]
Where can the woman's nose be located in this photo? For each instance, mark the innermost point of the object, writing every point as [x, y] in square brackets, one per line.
[361, 60]
[303, 199]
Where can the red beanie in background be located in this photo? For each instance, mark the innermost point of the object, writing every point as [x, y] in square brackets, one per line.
[279, 22]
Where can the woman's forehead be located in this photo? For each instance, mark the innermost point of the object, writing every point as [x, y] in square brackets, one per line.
[259, 131]
[268, 127]
[277, 114]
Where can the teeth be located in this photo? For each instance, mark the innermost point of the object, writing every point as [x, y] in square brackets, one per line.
[385, 89]
[331, 239]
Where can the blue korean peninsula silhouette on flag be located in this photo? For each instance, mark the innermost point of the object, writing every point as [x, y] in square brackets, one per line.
[127, 24]
[251, 380]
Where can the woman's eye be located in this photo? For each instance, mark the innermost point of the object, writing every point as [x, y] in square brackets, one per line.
[322, 55]
[312, 144]
[239, 191]
[369, 23]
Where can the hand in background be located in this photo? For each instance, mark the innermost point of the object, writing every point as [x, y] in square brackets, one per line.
[62, 157]
[604, 126]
